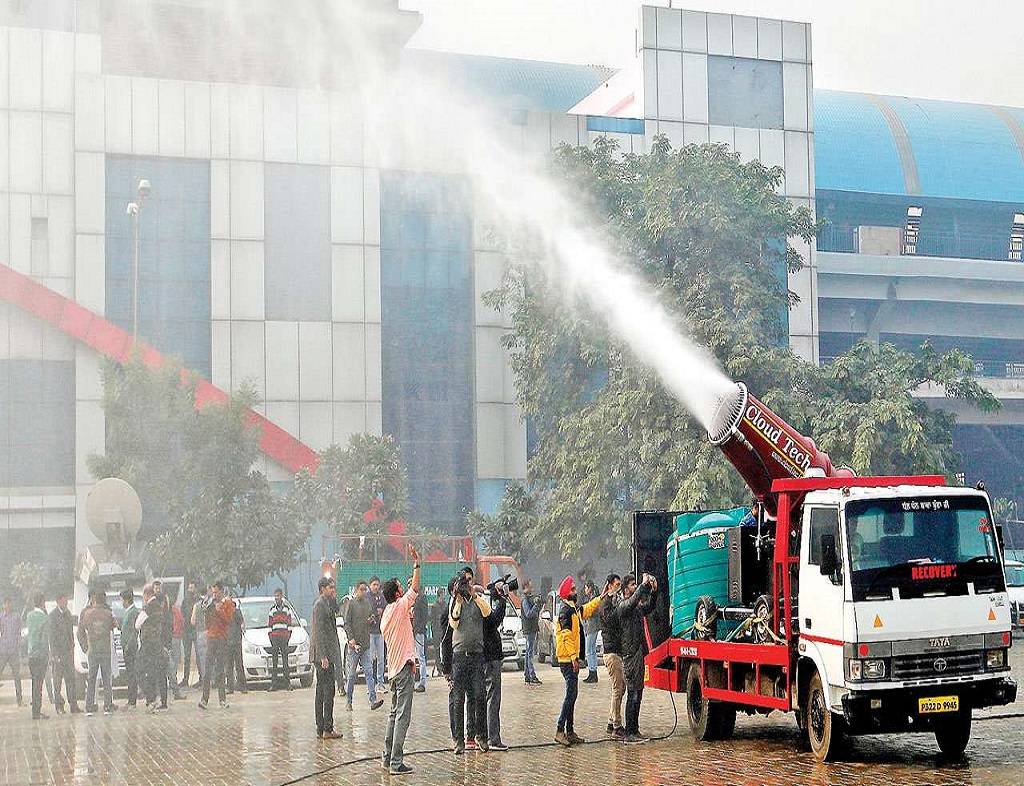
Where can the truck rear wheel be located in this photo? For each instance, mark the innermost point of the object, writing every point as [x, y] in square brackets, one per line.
[824, 729]
[709, 720]
[953, 733]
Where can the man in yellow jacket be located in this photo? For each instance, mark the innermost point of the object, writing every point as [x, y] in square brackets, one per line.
[568, 645]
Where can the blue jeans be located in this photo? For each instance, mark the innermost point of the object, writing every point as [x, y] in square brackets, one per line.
[377, 651]
[356, 658]
[572, 687]
[529, 670]
[591, 642]
[421, 655]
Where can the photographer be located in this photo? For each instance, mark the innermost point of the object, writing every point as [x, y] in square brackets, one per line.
[466, 616]
[494, 659]
[637, 602]
[531, 627]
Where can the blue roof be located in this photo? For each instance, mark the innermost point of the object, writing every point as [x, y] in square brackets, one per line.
[913, 146]
[524, 84]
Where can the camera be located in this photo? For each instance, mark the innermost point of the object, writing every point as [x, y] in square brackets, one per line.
[508, 583]
[463, 588]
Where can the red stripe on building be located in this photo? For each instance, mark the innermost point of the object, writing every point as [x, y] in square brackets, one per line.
[108, 339]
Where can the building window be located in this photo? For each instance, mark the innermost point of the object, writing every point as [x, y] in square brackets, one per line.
[174, 254]
[615, 125]
[744, 92]
[427, 340]
[297, 227]
[40, 248]
[37, 423]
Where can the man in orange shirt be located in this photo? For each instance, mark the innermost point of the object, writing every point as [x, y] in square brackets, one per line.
[219, 610]
[403, 667]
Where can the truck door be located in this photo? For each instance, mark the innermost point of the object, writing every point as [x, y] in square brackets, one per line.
[821, 587]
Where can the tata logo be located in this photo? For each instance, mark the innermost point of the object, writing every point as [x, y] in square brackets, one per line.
[939, 664]
[925, 572]
[939, 642]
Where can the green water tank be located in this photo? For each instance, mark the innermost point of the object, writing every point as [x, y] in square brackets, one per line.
[698, 562]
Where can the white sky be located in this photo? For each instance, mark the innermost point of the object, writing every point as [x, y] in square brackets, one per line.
[961, 50]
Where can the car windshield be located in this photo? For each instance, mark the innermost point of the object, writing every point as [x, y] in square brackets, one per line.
[256, 614]
[1015, 575]
[922, 544]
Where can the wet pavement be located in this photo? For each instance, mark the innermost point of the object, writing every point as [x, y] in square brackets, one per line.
[269, 738]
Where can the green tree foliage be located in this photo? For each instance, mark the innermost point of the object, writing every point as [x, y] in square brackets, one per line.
[365, 474]
[28, 578]
[712, 240]
[508, 530]
[207, 512]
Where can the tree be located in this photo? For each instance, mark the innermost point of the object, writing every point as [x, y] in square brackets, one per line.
[207, 513]
[365, 477]
[149, 416]
[28, 578]
[508, 530]
[712, 240]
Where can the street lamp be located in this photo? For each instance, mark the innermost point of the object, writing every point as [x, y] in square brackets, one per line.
[134, 210]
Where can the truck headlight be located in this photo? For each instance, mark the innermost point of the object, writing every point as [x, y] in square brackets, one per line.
[867, 669]
[249, 648]
[995, 659]
[302, 646]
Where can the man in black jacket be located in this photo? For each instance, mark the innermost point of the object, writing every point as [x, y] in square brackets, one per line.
[611, 636]
[494, 659]
[61, 632]
[325, 652]
[637, 602]
[420, 619]
[530, 613]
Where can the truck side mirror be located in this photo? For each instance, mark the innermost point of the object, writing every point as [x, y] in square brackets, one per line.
[829, 555]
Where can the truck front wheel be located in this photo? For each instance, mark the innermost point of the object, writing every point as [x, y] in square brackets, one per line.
[953, 733]
[823, 728]
[709, 720]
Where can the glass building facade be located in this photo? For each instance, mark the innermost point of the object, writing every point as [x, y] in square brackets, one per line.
[427, 340]
[174, 254]
[37, 423]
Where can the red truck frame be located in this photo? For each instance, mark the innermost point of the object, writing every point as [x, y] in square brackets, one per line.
[667, 663]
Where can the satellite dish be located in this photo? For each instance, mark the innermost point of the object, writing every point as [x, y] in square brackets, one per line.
[113, 512]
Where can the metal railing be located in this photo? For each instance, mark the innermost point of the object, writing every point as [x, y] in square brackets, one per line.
[993, 369]
[961, 245]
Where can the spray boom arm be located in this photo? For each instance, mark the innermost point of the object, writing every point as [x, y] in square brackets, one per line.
[763, 447]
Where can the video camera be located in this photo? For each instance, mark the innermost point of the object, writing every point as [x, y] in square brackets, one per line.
[462, 588]
[503, 586]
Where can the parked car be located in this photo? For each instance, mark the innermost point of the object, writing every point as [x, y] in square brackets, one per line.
[256, 657]
[546, 632]
[513, 642]
[1015, 589]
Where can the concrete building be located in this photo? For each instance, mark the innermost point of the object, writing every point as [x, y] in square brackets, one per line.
[275, 249]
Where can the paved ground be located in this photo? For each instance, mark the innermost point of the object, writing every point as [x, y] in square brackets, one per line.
[268, 738]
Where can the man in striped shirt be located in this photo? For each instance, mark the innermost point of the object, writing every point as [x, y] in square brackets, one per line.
[280, 621]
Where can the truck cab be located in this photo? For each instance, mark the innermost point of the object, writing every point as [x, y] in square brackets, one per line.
[902, 609]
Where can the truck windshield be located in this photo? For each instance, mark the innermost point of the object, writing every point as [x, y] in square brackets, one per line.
[921, 546]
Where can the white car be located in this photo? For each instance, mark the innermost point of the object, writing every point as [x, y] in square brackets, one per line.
[1015, 590]
[513, 640]
[256, 656]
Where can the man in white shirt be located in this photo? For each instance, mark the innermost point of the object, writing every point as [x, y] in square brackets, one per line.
[403, 666]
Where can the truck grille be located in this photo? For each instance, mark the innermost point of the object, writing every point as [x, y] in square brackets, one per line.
[923, 667]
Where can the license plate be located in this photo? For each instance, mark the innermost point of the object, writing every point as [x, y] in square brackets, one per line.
[938, 704]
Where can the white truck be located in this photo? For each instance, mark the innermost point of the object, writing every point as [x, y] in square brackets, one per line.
[864, 605]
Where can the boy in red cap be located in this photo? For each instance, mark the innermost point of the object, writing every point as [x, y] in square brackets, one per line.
[568, 645]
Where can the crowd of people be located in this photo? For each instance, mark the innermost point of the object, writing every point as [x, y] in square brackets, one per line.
[388, 627]
[466, 626]
[157, 637]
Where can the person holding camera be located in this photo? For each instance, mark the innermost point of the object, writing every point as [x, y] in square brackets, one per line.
[637, 602]
[568, 646]
[531, 628]
[494, 659]
[466, 617]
